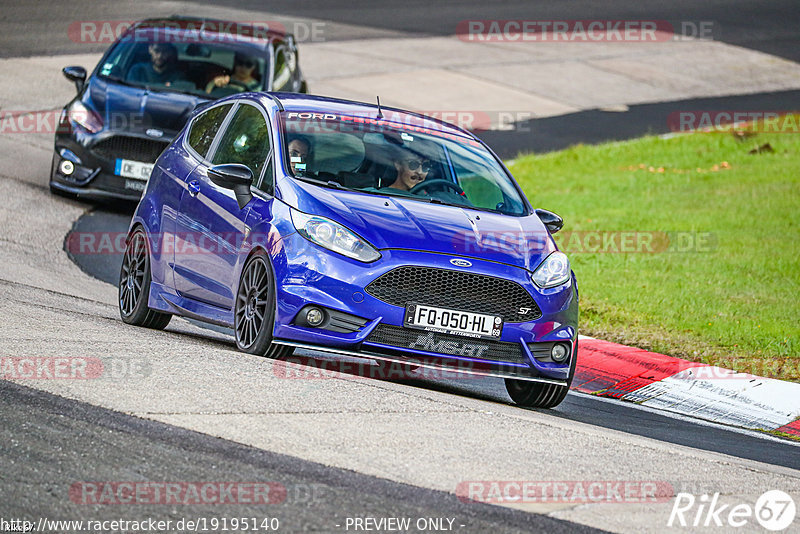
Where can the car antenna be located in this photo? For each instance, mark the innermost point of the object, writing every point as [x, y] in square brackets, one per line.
[380, 114]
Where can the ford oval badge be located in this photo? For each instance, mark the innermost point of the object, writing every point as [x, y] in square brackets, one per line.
[152, 132]
[458, 262]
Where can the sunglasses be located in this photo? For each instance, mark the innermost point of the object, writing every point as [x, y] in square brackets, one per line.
[246, 63]
[414, 164]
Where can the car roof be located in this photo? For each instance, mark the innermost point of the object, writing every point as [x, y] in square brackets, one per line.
[299, 102]
[219, 31]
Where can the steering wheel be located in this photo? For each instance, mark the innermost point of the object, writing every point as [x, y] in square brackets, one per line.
[237, 83]
[437, 185]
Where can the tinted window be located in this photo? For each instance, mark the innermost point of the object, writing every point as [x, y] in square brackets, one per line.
[397, 155]
[284, 67]
[205, 127]
[246, 140]
[203, 69]
[267, 183]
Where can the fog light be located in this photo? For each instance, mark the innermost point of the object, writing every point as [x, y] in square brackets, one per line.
[314, 316]
[559, 352]
[66, 167]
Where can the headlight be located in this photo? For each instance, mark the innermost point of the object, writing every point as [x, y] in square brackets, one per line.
[553, 271]
[82, 116]
[333, 236]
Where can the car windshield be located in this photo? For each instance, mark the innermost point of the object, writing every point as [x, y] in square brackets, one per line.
[199, 68]
[392, 156]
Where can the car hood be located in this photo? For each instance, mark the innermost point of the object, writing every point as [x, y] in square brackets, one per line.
[137, 110]
[391, 222]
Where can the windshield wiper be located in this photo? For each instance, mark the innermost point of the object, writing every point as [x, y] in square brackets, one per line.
[306, 177]
[119, 80]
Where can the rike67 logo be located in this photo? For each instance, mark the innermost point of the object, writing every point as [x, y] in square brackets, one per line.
[774, 510]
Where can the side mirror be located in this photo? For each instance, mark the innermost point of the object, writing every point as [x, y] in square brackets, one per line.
[76, 75]
[234, 176]
[552, 222]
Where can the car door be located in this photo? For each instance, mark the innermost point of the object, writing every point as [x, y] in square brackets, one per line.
[210, 223]
[172, 175]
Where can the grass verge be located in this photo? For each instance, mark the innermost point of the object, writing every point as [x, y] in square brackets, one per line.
[687, 245]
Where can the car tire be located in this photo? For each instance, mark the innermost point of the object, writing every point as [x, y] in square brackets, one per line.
[134, 285]
[254, 312]
[538, 395]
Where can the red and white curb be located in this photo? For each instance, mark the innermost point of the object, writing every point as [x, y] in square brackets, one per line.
[688, 388]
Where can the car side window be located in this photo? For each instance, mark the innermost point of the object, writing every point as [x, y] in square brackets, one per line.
[205, 127]
[246, 141]
[267, 183]
[283, 69]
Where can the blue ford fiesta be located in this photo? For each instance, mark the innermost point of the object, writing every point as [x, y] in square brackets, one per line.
[309, 222]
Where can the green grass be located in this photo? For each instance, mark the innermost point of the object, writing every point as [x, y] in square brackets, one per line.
[733, 300]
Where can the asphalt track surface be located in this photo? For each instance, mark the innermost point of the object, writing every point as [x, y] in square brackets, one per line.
[316, 498]
[92, 440]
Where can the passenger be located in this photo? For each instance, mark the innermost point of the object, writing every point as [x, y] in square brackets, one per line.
[299, 148]
[245, 74]
[161, 69]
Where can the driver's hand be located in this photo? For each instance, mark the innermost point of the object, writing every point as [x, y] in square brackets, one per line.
[222, 81]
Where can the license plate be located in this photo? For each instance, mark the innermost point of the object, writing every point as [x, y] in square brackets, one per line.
[137, 170]
[455, 322]
[135, 185]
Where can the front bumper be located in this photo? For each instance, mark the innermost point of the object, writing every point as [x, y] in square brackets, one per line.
[309, 275]
[94, 176]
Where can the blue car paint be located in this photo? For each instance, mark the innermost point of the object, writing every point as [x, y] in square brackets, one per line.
[203, 285]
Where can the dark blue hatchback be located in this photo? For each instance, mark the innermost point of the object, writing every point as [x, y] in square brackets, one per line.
[144, 89]
[307, 222]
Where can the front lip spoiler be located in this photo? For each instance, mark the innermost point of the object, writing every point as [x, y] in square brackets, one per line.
[94, 193]
[415, 363]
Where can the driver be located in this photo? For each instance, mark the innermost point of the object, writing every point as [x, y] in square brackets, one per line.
[162, 67]
[245, 74]
[412, 169]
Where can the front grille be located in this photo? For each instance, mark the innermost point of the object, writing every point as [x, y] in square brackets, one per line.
[127, 147]
[483, 349]
[456, 290]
